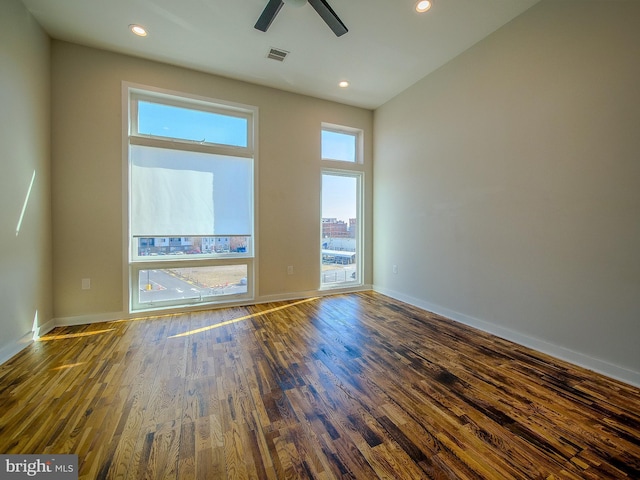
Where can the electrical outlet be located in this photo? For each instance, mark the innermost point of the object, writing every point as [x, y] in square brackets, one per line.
[290, 270]
[86, 284]
[395, 269]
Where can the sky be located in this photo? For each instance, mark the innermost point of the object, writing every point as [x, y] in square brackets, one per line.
[339, 197]
[197, 125]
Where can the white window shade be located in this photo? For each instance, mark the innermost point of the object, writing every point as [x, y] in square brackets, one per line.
[184, 193]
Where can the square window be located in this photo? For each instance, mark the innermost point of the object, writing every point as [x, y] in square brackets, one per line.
[339, 145]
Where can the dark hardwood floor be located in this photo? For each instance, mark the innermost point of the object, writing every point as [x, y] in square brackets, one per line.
[347, 386]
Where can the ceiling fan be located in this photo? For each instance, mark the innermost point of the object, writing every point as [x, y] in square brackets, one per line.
[320, 6]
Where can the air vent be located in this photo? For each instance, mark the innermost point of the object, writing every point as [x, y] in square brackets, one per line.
[277, 54]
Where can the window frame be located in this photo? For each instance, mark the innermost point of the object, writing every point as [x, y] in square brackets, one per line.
[351, 169]
[132, 94]
[358, 139]
[135, 269]
[359, 176]
[191, 103]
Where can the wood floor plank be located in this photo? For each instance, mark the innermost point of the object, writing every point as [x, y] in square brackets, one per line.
[353, 386]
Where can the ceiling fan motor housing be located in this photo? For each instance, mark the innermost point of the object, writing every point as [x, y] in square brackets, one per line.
[295, 3]
[320, 6]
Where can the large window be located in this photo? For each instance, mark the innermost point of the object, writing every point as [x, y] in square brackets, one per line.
[341, 207]
[191, 201]
[341, 218]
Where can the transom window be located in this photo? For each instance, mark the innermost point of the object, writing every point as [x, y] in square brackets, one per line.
[340, 143]
[196, 124]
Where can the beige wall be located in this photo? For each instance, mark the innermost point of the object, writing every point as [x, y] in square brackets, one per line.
[25, 255]
[87, 174]
[507, 185]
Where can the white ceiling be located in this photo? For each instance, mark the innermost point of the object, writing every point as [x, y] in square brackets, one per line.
[388, 47]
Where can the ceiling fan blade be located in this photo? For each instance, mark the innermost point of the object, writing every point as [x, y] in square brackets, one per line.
[268, 14]
[329, 16]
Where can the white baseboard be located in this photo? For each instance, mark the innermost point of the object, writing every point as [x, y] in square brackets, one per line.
[597, 365]
[13, 348]
[310, 294]
[44, 329]
[92, 318]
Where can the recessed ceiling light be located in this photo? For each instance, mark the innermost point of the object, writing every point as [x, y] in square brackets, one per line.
[343, 84]
[423, 5]
[138, 30]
